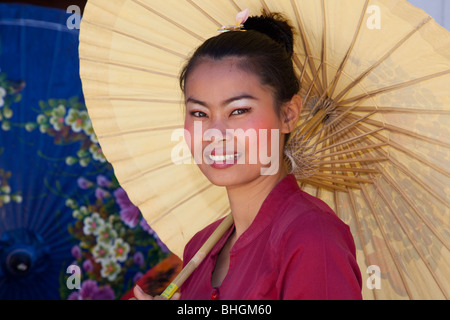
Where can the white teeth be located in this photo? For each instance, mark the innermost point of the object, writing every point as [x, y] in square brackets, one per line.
[223, 157]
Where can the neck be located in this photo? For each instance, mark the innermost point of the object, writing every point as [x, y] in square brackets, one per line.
[246, 199]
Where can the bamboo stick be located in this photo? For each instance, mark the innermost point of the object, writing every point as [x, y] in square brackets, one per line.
[198, 258]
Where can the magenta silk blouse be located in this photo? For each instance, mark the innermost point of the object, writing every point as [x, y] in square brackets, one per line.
[296, 248]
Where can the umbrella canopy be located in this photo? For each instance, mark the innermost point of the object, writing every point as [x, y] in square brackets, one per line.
[373, 139]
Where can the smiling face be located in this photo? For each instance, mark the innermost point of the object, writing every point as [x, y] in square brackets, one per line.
[231, 119]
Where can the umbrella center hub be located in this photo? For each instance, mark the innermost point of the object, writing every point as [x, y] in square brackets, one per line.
[22, 254]
[322, 108]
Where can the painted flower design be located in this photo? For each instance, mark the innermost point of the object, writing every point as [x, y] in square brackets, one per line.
[106, 233]
[93, 224]
[78, 120]
[102, 251]
[91, 291]
[43, 123]
[120, 250]
[110, 269]
[103, 181]
[101, 193]
[129, 213]
[139, 259]
[97, 153]
[80, 212]
[84, 183]
[57, 118]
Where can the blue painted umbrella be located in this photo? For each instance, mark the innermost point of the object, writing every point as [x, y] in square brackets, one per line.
[35, 60]
[60, 204]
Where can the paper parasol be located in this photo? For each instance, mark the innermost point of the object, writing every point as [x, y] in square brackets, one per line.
[373, 140]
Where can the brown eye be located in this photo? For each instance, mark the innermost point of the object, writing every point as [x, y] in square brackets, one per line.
[240, 111]
[198, 114]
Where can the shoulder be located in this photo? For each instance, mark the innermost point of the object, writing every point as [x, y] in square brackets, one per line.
[308, 223]
[316, 252]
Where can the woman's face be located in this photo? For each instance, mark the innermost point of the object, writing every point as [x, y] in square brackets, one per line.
[231, 125]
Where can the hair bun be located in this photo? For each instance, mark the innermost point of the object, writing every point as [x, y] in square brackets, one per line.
[274, 25]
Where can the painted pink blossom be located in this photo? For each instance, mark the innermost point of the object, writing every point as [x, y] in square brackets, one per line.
[83, 183]
[91, 291]
[102, 181]
[76, 252]
[129, 213]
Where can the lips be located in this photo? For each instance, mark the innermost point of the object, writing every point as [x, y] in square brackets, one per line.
[220, 159]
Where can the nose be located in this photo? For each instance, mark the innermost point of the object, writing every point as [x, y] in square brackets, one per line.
[217, 131]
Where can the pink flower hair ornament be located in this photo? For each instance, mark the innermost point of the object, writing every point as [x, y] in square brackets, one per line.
[241, 17]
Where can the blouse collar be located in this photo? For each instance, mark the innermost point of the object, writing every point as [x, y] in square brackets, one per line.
[271, 206]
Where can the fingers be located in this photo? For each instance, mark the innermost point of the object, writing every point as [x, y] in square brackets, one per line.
[176, 296]
[140, 294]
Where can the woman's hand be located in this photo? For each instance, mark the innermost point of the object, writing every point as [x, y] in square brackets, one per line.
[139, 294]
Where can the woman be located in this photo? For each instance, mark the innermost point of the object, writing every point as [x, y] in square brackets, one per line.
[284, 243]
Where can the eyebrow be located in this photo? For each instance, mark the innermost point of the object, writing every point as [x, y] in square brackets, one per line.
[226, 102]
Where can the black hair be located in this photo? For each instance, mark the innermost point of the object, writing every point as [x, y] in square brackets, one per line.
[266, 48]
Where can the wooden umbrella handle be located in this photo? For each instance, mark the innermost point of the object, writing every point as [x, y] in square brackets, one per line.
[197, 258]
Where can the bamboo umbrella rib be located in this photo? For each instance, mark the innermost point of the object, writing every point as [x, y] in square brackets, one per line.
[309, 125]
[353, 155]
[348, 126]
[181, 202]
[396, 129]
[421, 183]
[360, 233]
[328, 186]
[341, 151]
[344, 178]
[332, 141]
[342, 115]
[405, 170]
[235, 5]
[313, 83]
[129, 66]
[350, 49]
[382, 59]
[135, 99]
[265, 6]
[204, 13]
[302, 66]
[324, 48]
[405, 231]
[386, 240]
[439, 169]
[149, 171]
[170, 21]
[131, 36]
[134, 131]
[359, 137]
[421, 217]
[407, 152]
[356, 160]
[362, 170]
[395, 110]
[356, 149]
[395, 87]
[304, 38]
